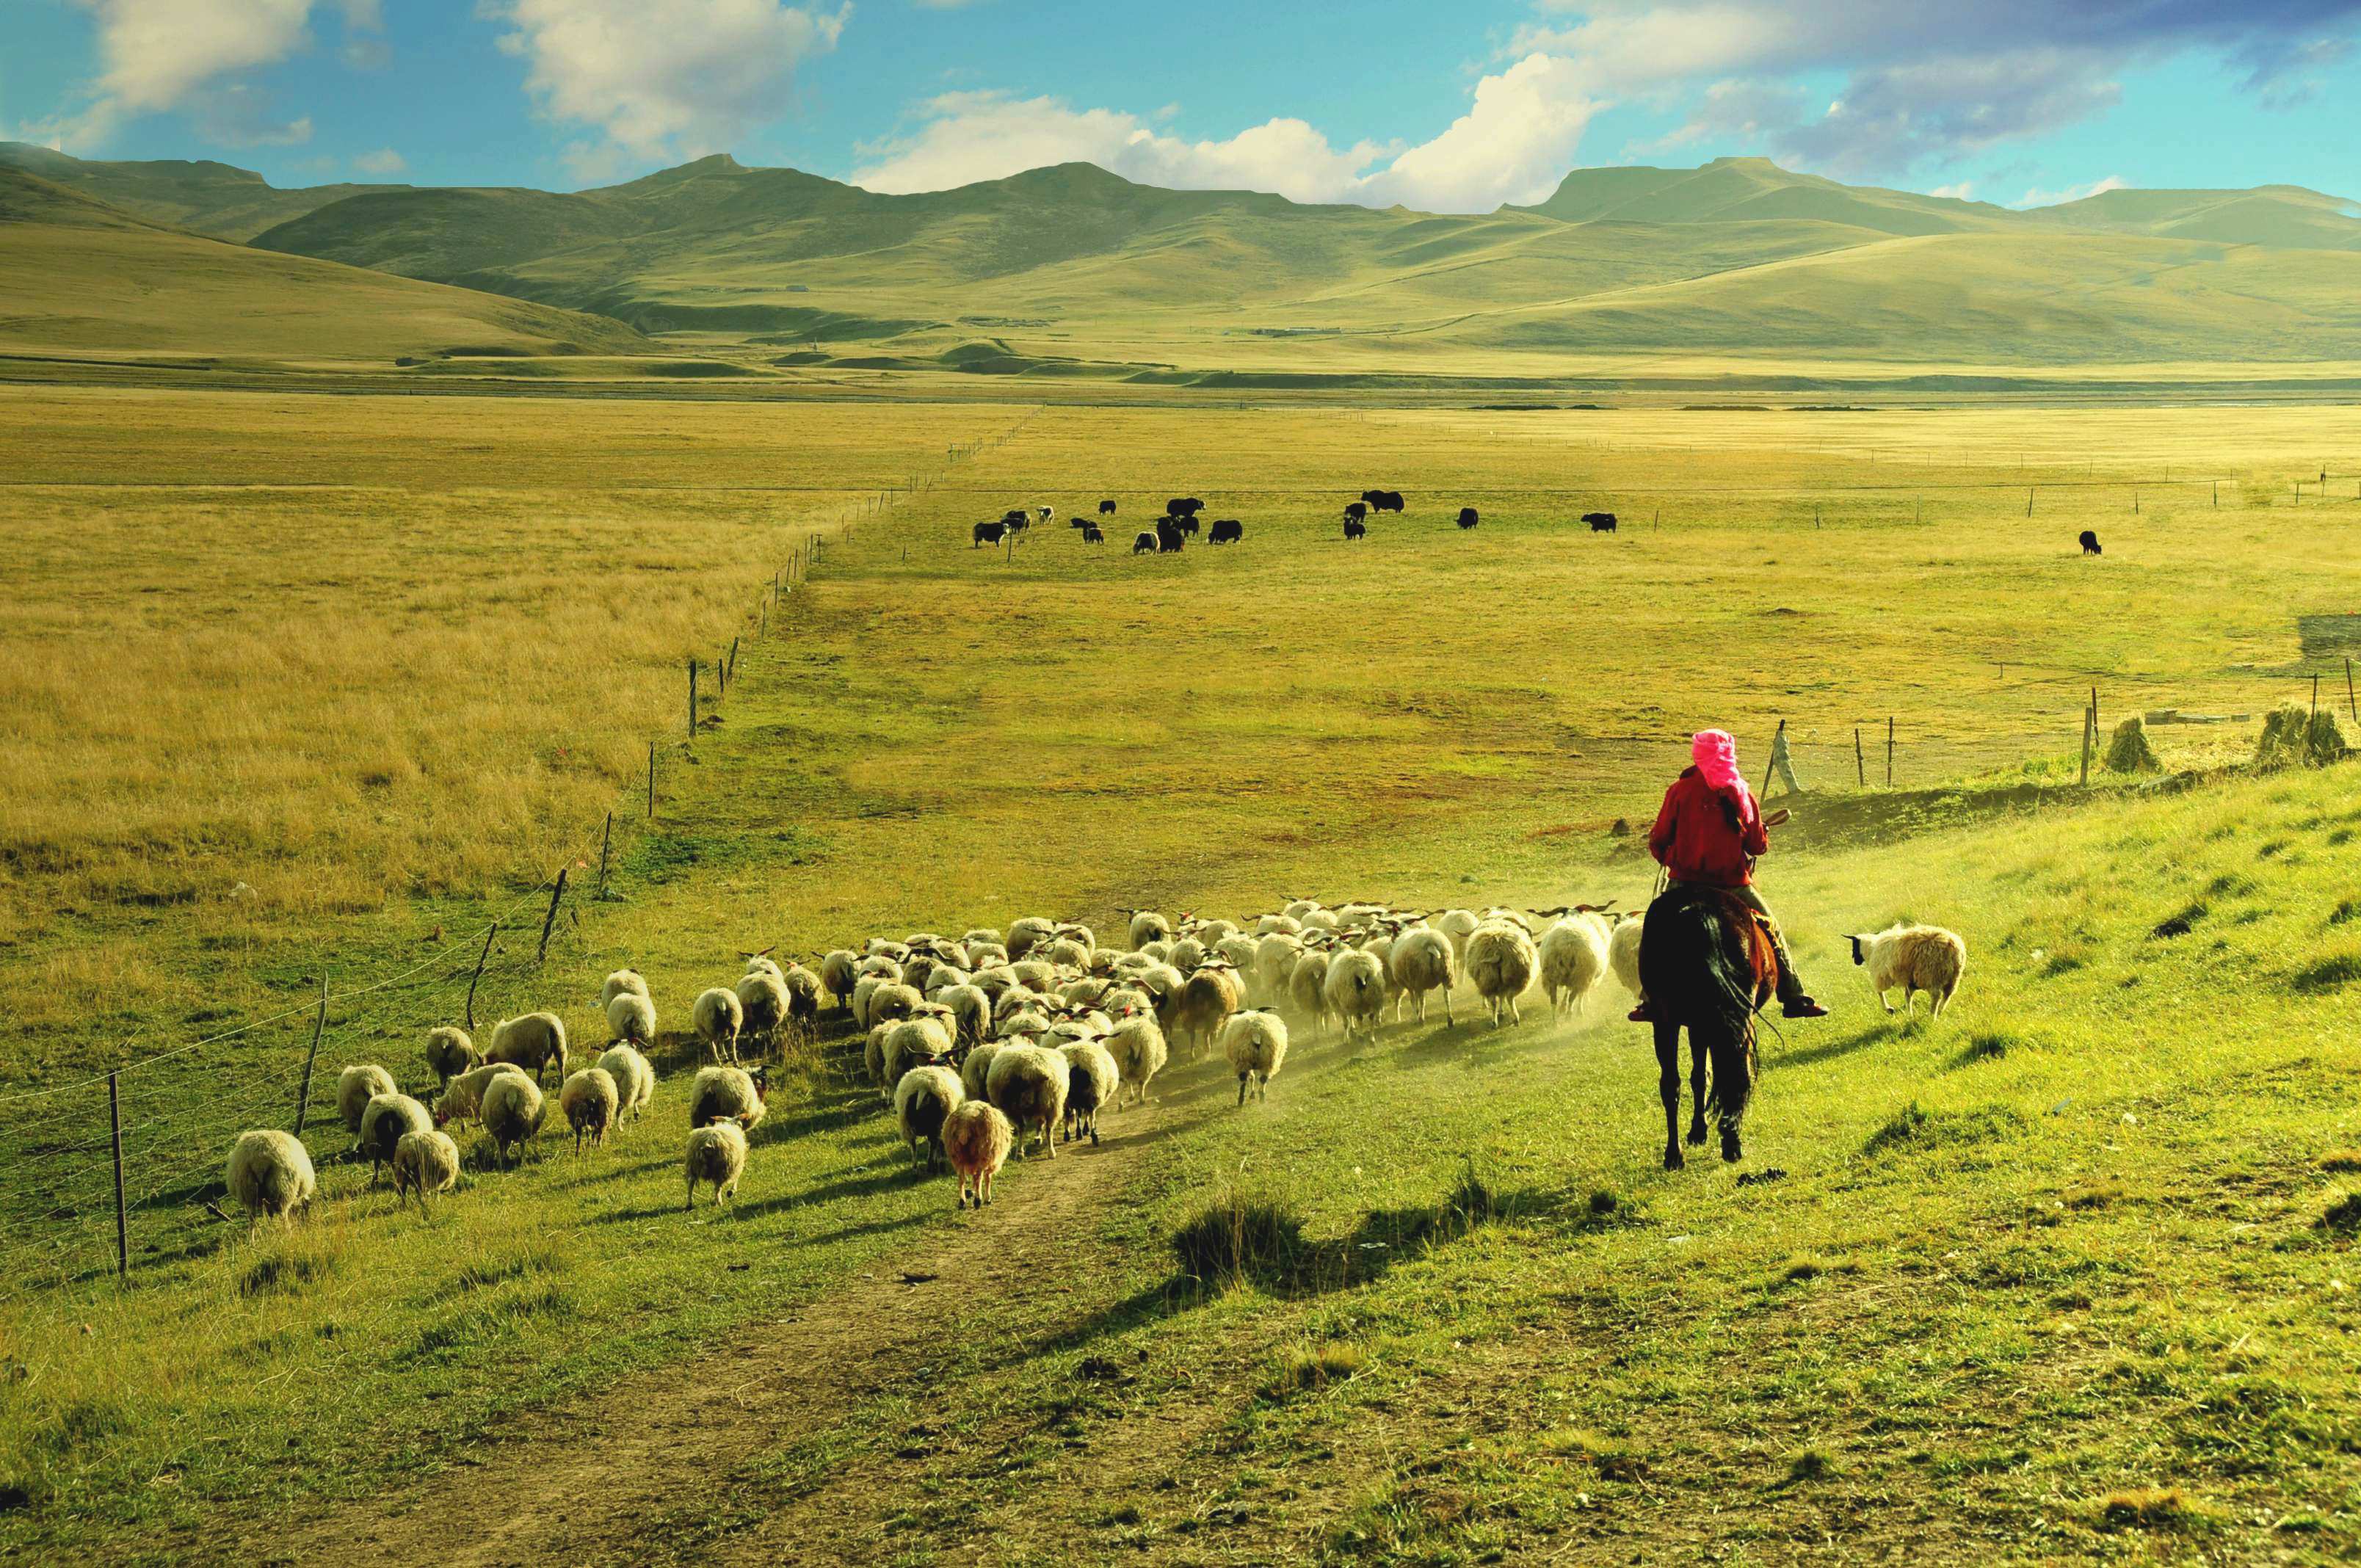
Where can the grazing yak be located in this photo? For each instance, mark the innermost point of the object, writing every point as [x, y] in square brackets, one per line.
[2090, 543]
[1228, 531]
[1383, 500]
[1107, 509]
[1143, 545]
[1093, 534]
[1016, 519]
[1355, 528]
[1183, 506]
[989, 533]
[1168, 535]
[1467, 517]
[1600, 522]
[1357, 511]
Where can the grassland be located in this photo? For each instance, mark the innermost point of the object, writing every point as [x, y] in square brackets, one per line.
[1958, 1328]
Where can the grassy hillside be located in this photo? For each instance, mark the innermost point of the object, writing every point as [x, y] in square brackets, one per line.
[2282, 217]
[202, 196]
[1753, 189]
[84, 277]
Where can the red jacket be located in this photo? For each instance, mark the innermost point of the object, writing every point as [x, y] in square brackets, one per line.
[1696, 839]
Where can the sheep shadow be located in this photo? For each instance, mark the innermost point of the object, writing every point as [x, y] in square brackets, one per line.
[1832, 1050]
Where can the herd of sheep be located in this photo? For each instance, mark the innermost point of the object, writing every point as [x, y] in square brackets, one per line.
[995, 1042]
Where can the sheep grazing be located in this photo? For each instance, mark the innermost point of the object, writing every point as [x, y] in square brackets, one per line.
[1573, 960]
[1354, 991]
[632, 1018]
[763, 1005]
[1915, 958]
[923, 1100]
[512, 1112]
[1204, 1004]
[1139, 1051]
[270, 1174]
[355, 1087]
[620, 982]
[718, 1017]
[589, 1099]
[1256, 1044]
[463, 1097]
[1146, 925]
[1028, 1083]
[1501, 961]
[383, 1122]
[635, 1081]
[1093, 1079]
[727, 1094]
[424, 1162]
[837, 970]
[535, 1042]
[717, 1156]
[978, 1065]
[449, 1052]
[1424, 960]
[976, 1139]
[1623, 950]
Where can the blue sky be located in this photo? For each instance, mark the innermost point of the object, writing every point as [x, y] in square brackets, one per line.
[1445, 107]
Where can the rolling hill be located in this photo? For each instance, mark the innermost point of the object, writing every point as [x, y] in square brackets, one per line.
[84, 277]
[215, 198]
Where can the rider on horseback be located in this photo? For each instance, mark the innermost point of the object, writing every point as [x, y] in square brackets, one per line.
[1709, 833]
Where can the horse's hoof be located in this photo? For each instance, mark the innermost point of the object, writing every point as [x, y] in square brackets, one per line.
[1697, 1136]
[1729, 1150]
[1673, 1160]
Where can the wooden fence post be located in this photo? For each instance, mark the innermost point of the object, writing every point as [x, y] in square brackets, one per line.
[692, 697]
[319, 1024]
[1860, 762]
[2028, 500]
[115, 1133]
[490, 932]
[652, 781]
[2350, 707]
[2087, 722]
[1889, 752]
[550, 919]
[605, 841]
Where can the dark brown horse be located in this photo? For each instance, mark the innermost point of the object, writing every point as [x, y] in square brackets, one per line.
[1707, 966]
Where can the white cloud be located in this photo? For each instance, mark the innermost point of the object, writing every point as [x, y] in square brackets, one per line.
[2040, 198]
[384, 160]
[1965, 191]
[664, 78]
[1513, 145]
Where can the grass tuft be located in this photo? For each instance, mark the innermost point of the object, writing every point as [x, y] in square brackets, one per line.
[1813, 1463]
[1610, 1456]
[2332, 973]
[1305, 1368]
[2340, 1162]
[2150, 1507]
[285, 1272]
[1241, 1240]
[1914, 1128]
[2343, 1216]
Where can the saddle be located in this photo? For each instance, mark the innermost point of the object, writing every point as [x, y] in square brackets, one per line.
[1761, 935]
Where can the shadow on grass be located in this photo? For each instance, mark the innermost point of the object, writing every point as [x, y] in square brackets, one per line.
[1829, 1051]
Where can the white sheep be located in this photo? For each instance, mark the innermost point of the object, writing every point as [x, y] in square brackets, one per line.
[635, 1081]
[717, 1156]
[449, 1052]
[1354, 991]
[910, 1043]
[1915, 958]
[424, 1162]
[512, 1112]
[980, 936]
[763, 1005]
[1139, 1050]
[1203, 1004]
[763, 963]
[1501, 961]
[1458, 925]
[1025, 935]
[1185, 954]
[1256, 1044]
[632, 1018]
[355, 1087]
[837, 970]
[923, 1100]
[535, 1042]
[1623, 950]
[893, 1002]
[590, 1099]
[803, 994]
[270, 1174]
[727, 1094]
[620, 982]
[973, 1071]
[1574, 959]
[1028, 1084]
[1275, 956]
[976, 1140]
[718, 1017]
[1093, 1080]
[1422, 960]
[1307, 987]
[384, 1120]
[463, 1097]
[1146, 925]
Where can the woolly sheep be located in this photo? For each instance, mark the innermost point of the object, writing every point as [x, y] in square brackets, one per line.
[1256, 1044]
[1573, 955]
[867, 986]
[892, 1003]
[1212, 933]
[1185, 954]
[1501, 961]
[449, 1052]
[973, 1071]
[983, 955]
[970, 1013]
[717, 1156]
[1274, 962]
[1064, 953]
[424, 1162]
[872, 1057]
[383, 1122]
[463, 1097]
[1298, 907]
[535, 1042]
[1093, 1080]
[762, 1004]
[763, 963]
[1457, 924]
[512, 1112]
[1204, 1004]
[1161, 949]
[718, 1017]
[1025, 935]
[620, 982]
[590, 1099]
[1424, 960]
[803, 994]
[1139, 1050]
[632, 1018]
[1307, 987]
[1146, 925]
[1278, 926]
[980, 936]
[943, 978]
[913, 1041]
[1028, 1083]
[838, 971]
[1623, 950]
[1916, 958]
[976, 1140]
[635, 1081]
[879, 967]
[1035, 975]
[355, 1087]
[1244, 954]
[270, 1174]
[727, 1094]
[923, 1100]
[1354, 991]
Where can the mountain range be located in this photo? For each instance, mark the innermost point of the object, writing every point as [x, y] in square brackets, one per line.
[1071, 269]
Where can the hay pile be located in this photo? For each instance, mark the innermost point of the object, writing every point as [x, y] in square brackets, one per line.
[2293, 737]
[2128, 751]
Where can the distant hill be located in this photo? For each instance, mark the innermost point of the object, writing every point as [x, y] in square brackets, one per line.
[207, 197]
[78, 276]
[1754, 190]
[2285, 217]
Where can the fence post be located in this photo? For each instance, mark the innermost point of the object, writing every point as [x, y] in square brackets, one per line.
[550, 919]
[2087, 722]
[1889, 751]
[490, 932]
[2315, 698]
[1860, 763]
[2350, 707]
[692, 697]
[115, 1133]
[319, 1024]
[733, 656]
[721, 675]
[2028, 500]
[652, 781]
[605, 841]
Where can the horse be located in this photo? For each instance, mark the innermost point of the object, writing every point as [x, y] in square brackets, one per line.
[1708, 965]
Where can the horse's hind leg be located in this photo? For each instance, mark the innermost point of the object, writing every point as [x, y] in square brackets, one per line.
[1668, 1088]
[1697, 1059]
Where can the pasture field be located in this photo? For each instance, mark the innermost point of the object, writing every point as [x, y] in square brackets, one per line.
[2080, 1239]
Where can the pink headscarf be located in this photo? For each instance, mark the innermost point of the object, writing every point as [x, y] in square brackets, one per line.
[1715, 752]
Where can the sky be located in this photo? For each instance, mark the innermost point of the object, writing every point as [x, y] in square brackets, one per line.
[1441, 108]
